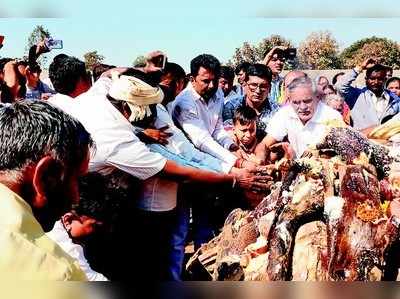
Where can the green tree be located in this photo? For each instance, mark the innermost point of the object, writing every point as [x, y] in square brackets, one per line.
[139, 61]
[319, 51]
[92, 58]
[38, 34]
[388, 52]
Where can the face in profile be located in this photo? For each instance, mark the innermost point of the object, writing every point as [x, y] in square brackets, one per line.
[303, 102]
[80, 227]
[322, 83]
[241, 77]
[205, 83]
[61, 191]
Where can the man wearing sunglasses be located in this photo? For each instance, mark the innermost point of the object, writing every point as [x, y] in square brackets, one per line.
[257, 86]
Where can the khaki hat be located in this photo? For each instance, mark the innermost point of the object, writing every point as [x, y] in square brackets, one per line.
[137, 93]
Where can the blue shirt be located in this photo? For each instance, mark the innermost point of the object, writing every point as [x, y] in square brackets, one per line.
[267, 111]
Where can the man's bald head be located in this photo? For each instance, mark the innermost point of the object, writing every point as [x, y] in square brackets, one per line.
[293, 75]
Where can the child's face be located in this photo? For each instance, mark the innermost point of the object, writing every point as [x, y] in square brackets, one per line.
[246, 134]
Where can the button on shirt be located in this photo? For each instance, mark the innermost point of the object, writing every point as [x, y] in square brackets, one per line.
[116, 144]
[286, 122]
[202, 122]
[380, 103]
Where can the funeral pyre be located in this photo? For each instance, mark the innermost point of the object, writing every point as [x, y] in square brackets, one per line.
[332, 216]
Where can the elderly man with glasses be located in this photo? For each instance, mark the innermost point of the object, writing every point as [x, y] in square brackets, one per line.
[257, 86]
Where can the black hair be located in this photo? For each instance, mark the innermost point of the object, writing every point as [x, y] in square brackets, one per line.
[390, 80]
[30, 130]
[65, 73]
[259, 70]
[99, 69]
[227, 73]
[243, 66]
[3, 62]
[99, 198]
[375, 68]
[173, 73]
[335, 78]
[152, 78]
[244, 115]
[34, 67]
[389, 68]
[206, 61]
[175, 70]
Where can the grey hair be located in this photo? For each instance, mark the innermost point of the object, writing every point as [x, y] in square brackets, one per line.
[302, 81]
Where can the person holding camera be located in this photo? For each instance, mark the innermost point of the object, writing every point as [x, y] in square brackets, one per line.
[275, 60]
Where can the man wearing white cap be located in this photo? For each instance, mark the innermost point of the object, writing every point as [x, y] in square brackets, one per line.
[108, 119]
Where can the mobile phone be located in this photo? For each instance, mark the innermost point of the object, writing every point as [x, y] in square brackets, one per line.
[53, 43]
[160, 61]
[290, 53]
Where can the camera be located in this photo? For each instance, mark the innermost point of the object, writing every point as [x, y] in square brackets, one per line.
[290, 53]
[53, 43]
[159, 61]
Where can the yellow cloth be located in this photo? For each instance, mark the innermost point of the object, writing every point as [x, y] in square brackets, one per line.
[26, 253]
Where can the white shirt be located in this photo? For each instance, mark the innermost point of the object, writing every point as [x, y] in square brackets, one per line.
[380, 103]
[286, 122]
[179, 144]
[160, 194]
[60, 236]
[368, 109]
[116, 144]
[202, 122]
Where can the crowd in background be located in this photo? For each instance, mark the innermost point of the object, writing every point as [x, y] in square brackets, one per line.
[106, 175]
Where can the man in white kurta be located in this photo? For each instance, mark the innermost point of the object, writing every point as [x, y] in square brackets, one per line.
[303, 121]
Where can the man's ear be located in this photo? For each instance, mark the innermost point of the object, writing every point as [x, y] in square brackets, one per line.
[67, 219]
[47, 174]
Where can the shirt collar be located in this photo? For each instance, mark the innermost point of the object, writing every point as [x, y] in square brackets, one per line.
[199, 97]
[384, 95]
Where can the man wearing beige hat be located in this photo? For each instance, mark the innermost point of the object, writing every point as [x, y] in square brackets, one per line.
[108, 118]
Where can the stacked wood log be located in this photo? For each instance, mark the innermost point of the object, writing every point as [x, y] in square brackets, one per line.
[333, 216]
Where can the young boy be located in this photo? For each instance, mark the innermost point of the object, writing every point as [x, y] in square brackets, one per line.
[96, 208]
[244, 133]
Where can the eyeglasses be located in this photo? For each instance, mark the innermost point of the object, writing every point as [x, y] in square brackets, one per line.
[254, 86]
[283, 59]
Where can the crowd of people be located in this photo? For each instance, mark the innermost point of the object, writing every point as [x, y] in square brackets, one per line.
[104, 175]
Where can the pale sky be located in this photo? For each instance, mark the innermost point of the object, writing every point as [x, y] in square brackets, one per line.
[184, 29]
